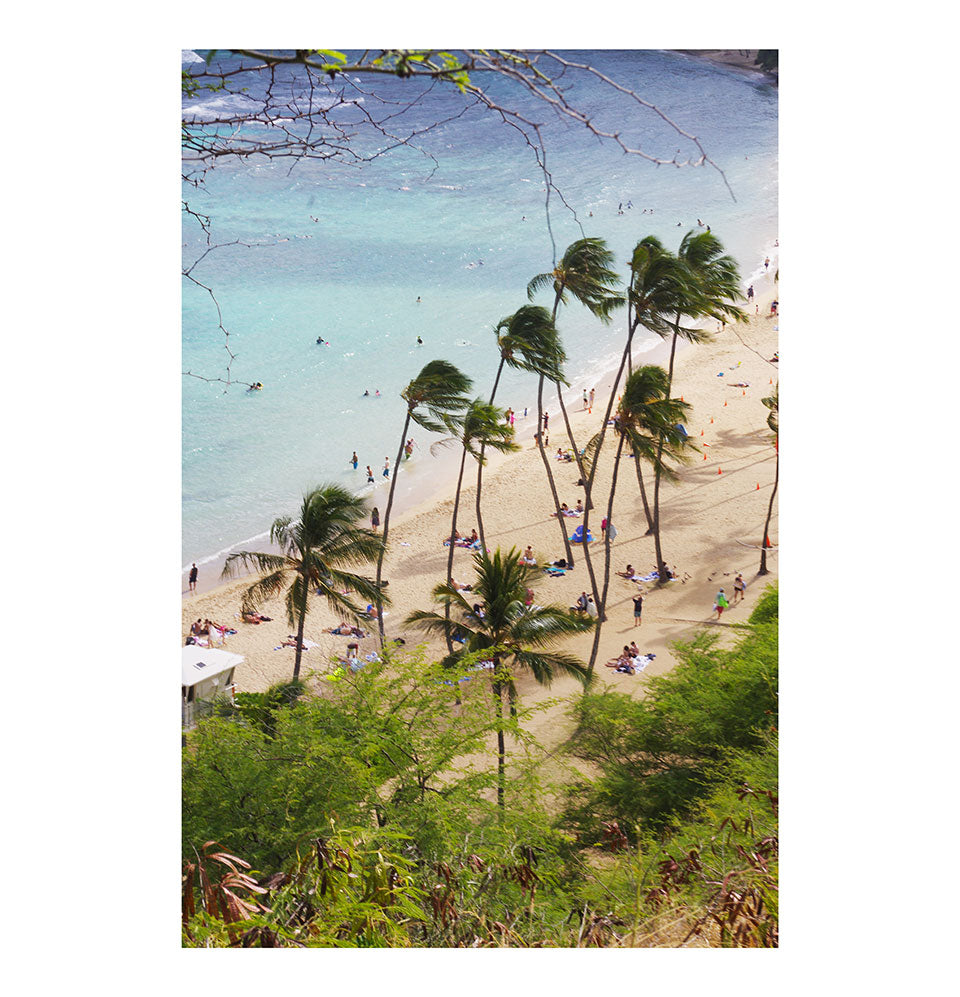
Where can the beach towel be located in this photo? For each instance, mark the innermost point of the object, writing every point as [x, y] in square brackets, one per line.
[652, 577]
[577, 537]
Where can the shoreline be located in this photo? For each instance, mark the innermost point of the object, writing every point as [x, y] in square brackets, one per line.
[435, 476]
[711, 519]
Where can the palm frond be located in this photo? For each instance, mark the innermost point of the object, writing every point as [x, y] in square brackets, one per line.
[262, 590]
[248, 558]
[538, 283]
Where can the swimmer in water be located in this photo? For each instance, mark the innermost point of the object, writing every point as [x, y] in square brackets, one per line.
[255, 387]
[369, 475]
[366, 393]
[419, 341]
[418, 299]
[354, 460]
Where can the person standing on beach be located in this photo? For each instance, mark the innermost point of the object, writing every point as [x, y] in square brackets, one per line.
[766, 263]
[637, 609]
[369, 475]
[375, 518]
[546, 420]
[586, 401]
[193, 577]
[750, 293]
[593, 391]
[720, 603]
[354, 460]
[386, 467]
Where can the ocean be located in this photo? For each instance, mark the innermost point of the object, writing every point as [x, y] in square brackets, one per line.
[341, 252]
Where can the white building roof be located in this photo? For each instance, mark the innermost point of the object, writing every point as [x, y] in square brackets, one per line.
[200, 663]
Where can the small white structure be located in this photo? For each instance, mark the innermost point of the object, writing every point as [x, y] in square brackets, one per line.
[207, 674]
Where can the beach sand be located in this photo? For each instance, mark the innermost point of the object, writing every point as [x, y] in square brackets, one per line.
[711, 524]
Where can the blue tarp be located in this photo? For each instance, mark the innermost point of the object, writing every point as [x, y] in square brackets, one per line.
[577, 537]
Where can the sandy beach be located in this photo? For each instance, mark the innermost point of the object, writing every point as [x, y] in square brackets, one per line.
[711, 524]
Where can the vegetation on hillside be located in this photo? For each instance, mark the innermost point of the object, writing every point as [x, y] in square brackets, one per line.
[368, 816]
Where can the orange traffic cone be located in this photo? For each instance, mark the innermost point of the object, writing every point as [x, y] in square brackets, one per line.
[719, 470]
[681, 398]
[758, 486]
[701, 432]
[704, 456]
[743, 392]
[711, 420]
[724, 404]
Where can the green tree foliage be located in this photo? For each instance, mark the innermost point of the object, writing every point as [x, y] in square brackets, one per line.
[659, 755]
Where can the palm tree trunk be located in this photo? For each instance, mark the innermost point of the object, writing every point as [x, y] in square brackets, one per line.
[766, 525]
[453, 533]
[561, 519]
[588, 501]
[300, 626]
[601, 615]
[501, 745]
[661, 567]
[386, 525]
[483, 541]
[596, 461]
[643, 491]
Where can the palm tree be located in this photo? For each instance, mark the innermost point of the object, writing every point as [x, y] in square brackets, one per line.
[314, 551]
[713, 290]
[657, 282]
[482, 426]
[584, 272]
[509, 631]
[773, 421]
[650, 419]
[549, 366]
[434, 398]
[521, 338]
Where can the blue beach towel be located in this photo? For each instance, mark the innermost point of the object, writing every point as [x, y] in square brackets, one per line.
[577, 537]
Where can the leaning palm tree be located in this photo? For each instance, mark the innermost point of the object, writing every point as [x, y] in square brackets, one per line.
[549, 365]
[482, 426]
[508, 631]
[521, 339]
[649, 420]
[314, 551]
[657, 283]
[434, 399]
[585, 273]
[773, 421]
[713, 290]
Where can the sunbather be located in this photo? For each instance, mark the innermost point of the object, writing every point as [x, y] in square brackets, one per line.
[249, 616]
[629, 573]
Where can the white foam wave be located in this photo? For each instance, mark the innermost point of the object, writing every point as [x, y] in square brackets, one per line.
[187, 56]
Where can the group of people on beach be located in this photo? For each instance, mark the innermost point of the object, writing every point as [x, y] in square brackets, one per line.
[721, 602]
[407, 454]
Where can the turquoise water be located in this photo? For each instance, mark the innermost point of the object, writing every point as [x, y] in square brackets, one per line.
[390, 232]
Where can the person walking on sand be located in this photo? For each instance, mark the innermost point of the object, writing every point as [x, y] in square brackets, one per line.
[369, 475]
[193, 577]
[637, 609]
[386, 467]
[739, 588]
[375, 518]
[592, 393]
[354, 460]
[750, 293]
[720, 603]
[586, 400]
[766, 263]
[546, 421]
